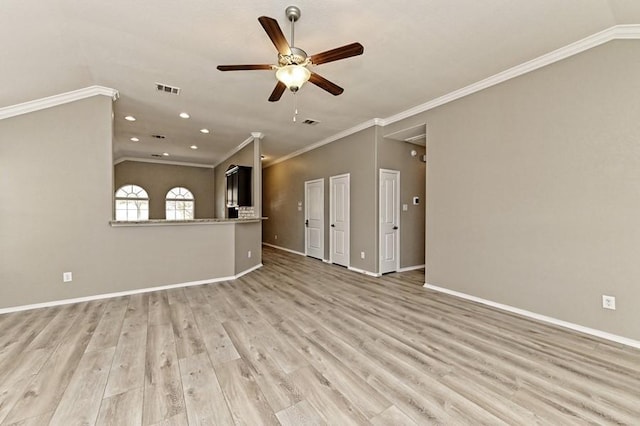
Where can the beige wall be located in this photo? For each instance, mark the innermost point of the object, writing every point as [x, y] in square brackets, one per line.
[158, 179]
[56, 177]
[533, 190]
[244, 157]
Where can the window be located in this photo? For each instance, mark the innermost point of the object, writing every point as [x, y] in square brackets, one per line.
[179, 204]
[132, 203]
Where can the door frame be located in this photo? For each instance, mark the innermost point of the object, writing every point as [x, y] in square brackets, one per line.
[306, 215]
[397, 215]
[331, 218]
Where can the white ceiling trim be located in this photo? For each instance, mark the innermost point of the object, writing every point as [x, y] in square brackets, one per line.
[617, 32]
[612, 33]
[239, 147]
[55, 100]
[343, 134]
[152, 160]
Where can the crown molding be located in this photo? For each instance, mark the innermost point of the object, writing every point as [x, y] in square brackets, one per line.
[246, 142]
[333, 138]
[55, 100]
[618, 32]
[155, 161]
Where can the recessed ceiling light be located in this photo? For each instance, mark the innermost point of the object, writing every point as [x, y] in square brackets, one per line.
[205, 131]
[134, 139]
[166, 154]
[184, 115]
[130, 118]
[194, 147]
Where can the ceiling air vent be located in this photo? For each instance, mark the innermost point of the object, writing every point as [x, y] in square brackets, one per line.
[310, 122]
[167, 89]
[158, 136]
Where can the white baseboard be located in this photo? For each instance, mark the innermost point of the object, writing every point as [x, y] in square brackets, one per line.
[550, 320]
[283, 249]
[411, 268]
[362, 271]
[124, 293]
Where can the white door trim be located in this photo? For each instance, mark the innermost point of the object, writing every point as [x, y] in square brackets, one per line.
[332, 219]
[319, 255]
[396, 208]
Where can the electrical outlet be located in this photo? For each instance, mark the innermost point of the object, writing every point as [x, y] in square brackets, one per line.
[361, 255]
[67, 277]
[249, 254]
[608, 302]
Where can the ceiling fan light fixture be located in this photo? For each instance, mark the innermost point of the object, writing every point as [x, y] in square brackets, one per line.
[293, 76]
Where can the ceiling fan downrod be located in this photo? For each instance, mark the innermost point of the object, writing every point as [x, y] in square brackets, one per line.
[293, 14]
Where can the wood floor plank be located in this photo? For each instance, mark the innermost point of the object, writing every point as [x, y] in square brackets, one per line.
[128, 368]
[246, 401]
[204, 399]
[9, 395]
[39, 397]
[122, 409]
[274, 383]
[219, 346]
[81, 400]
[392, 416]
[302, 342]
[325, 398]
[368, 400]
[159, 311]
[108, 330]
[301, 414]
[163, 397]
[189, 342]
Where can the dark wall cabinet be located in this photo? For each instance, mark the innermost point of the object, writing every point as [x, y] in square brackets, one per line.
[238, 189]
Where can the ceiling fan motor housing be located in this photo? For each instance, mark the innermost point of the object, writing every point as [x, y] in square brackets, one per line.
[297, 57]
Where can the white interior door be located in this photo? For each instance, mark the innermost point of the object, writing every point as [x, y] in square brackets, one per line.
[339, 219]
[314, 218]
[389, 220]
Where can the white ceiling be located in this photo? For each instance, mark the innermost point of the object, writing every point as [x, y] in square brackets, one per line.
[415, 51]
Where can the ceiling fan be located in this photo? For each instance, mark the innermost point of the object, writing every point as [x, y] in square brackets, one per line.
[292, 69]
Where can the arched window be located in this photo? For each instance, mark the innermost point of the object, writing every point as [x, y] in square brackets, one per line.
[132, 203]
[179, 204]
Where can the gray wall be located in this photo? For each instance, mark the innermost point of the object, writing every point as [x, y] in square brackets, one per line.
[158, 179]
[283, 186]
[396, 155]
[244, 157]
[247, 239]
[56, 177]
[361, 155]
[533, 190]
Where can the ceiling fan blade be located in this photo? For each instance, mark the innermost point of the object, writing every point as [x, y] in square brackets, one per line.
[274, 32]
[353, 49]
[243, 67]
[325, 84]
[277, 92]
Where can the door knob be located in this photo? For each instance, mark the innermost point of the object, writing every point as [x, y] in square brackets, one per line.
[395, 227]
[333, 225]
[306, 222]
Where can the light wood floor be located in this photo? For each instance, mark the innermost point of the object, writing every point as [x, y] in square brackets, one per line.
[301, 342]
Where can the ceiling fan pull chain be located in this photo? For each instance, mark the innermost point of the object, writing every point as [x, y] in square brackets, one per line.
[295, 106]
